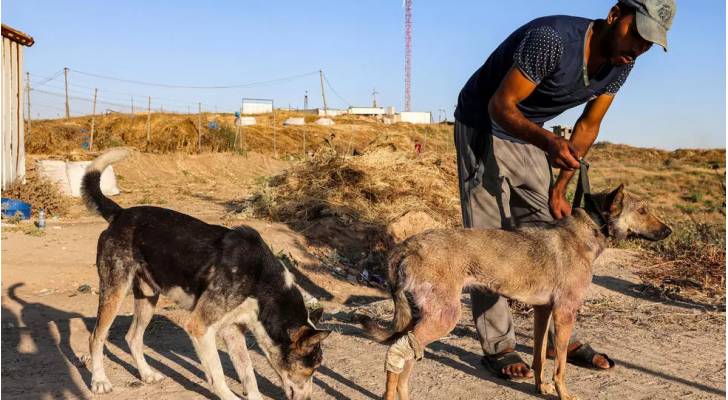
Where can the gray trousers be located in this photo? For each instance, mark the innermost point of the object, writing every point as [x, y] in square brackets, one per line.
[503, 184]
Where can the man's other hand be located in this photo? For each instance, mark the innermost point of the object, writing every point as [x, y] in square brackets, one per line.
[562, 153]
[558, 205]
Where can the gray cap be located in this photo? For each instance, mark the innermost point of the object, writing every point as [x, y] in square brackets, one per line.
[654, 18]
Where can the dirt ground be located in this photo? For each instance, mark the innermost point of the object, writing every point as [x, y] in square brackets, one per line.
[663, 350]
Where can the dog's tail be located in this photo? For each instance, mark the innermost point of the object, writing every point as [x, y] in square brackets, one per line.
[91, 185]
[403, 318]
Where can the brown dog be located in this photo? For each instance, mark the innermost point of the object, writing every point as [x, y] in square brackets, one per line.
[548, 267]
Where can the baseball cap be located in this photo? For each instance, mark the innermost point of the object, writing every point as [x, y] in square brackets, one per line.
[654, 18]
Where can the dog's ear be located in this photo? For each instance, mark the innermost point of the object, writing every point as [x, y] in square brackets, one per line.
[315, 315]
[615, 201]
[317, 337]
[298, 334]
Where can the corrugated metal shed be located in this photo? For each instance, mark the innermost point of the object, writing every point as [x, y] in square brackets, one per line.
[13, 133]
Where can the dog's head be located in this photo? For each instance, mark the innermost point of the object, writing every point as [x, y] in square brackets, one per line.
[299, 360]
[627, 216]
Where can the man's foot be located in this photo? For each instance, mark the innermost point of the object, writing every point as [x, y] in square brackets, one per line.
[583, 355]
[507, 365]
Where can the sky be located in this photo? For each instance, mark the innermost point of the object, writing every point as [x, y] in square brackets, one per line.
[671, 100]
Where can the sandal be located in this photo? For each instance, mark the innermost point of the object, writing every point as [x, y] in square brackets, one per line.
[495, 364]
[583, 356]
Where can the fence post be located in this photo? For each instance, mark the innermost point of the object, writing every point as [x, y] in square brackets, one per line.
[27, 92]
[199, 127]
[93, 122]
[273, 113]
[149, 121]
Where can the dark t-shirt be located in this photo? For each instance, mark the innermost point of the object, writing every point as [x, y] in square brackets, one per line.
[550, 52]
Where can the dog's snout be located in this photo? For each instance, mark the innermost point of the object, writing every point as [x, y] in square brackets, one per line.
[666, 232]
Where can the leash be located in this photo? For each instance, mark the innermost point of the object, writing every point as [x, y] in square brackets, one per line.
[583, 190]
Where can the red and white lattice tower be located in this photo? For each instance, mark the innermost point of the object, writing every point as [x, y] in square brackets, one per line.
[407, 53]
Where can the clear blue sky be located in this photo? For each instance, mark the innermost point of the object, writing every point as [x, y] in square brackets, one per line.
[671, 100]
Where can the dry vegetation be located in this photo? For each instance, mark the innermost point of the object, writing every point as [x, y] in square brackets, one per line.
[40, 194]
[178, 133]
[359, 175]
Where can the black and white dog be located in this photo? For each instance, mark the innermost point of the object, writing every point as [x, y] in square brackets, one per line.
[228, 279]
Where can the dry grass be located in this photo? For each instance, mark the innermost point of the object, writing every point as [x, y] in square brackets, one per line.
[40, 194]
[690, 264]
[179, 132]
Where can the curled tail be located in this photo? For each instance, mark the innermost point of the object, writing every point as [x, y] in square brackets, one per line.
[95, 200]
[403, 319]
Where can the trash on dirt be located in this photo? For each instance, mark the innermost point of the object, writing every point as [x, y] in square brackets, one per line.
[84, 289]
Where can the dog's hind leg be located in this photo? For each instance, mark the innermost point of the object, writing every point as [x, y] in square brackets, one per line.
[436, 321]
[234, 336]
[145, 299]
[542, 315]
[113, 287]
[403, 382]
[564, 318]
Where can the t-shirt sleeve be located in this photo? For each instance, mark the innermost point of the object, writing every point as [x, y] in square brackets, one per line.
[539, 53]
[613, 87]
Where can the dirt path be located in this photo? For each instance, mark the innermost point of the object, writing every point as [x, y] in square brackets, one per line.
[663, 351]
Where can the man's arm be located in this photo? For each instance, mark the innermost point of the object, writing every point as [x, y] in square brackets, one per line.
[584, 134]
[502, 107]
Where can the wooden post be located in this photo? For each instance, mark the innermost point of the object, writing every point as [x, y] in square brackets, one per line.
[65, 76]
[273, 113]
[199, 127]
[93, 122]
[323, 95]
[149, 121]
[132, 105]
[27, 92]
[304, 143]
[242, 133]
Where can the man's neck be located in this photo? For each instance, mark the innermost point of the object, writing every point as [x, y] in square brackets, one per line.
[594, 48]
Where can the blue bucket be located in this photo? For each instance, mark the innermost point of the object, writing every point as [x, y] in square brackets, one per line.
[11, 207]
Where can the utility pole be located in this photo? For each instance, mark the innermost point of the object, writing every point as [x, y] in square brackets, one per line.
[65, 76]
[374, 97]
[93, 123]
[132, 105]
[27, 91]
[323, 95]
[305, 101]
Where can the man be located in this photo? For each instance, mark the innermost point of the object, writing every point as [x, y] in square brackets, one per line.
[545, 67]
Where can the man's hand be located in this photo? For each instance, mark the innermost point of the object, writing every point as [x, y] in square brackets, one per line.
[558, 205]
[562, 153]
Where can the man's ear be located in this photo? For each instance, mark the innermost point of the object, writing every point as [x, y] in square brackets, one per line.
[615, 201]
[614, 13]
[315, 315]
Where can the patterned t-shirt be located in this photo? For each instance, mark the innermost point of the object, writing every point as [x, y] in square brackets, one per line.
[550, 52]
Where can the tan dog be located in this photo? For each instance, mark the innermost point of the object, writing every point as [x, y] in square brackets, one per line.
[548, 267]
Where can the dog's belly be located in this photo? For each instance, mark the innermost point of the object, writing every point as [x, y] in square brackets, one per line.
[182, 298]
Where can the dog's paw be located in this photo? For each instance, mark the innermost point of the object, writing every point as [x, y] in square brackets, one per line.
[101, 386]
[152, 377]
[546, 388]
[568, 397]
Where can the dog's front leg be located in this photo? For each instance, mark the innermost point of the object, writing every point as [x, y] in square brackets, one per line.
[541, 317]
[234, 336]
[203, 338]
[564, 318]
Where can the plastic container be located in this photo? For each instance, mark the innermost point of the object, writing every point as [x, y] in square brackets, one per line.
[11, 207]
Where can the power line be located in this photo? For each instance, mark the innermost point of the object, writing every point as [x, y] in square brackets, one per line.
[165, 85]
[335, 92]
